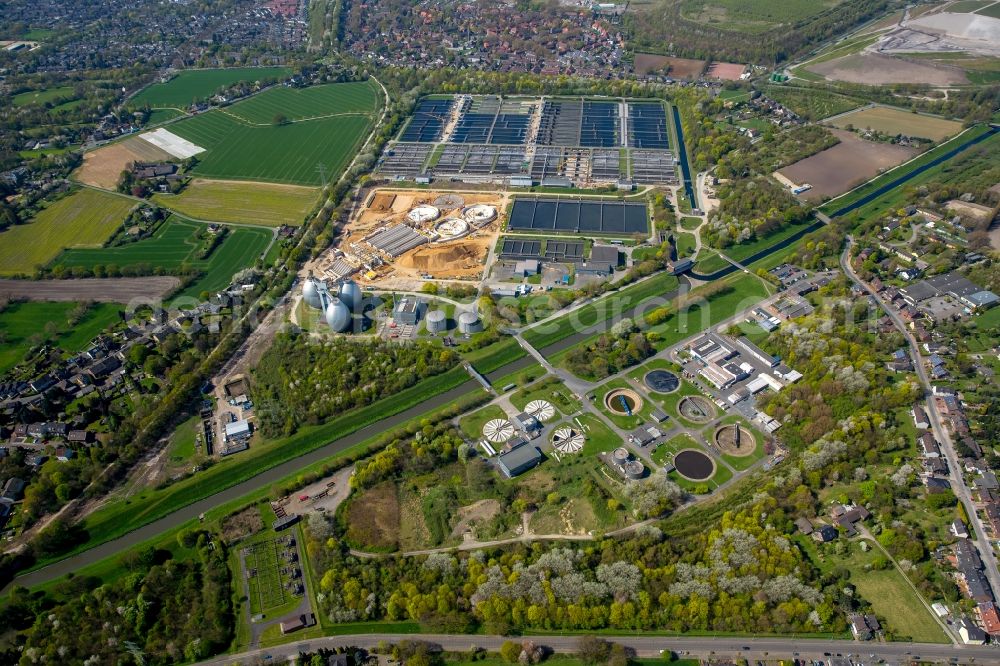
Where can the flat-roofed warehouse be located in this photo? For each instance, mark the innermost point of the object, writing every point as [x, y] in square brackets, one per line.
[519, 460]
[595, 217]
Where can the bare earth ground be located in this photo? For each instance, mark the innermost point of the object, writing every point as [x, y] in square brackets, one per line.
[727, 71]
[874, 69]
[995, 237]
[104, 290]
[102, 167]
[461, 258]
[680, 68]
[479, 512]
[848, 164]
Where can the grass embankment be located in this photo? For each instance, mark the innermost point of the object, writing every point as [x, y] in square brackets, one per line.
[619, 302]
[110, 569]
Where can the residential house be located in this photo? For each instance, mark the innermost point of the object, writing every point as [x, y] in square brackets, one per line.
[989, 617]
[970, 633]
[928, 446]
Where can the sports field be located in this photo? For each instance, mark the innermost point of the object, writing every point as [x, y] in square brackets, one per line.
[174, 244]
[267, 204]
[195, 84]
[21, 321]
[303, 152]
[84, 218]
[895, 121]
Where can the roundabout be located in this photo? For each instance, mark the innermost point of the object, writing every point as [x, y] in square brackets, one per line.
[661, 381]
[694, 465]
[696, 408]
[623, 401]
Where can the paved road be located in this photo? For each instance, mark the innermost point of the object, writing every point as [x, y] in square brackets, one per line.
[649, 646]
[982, 541]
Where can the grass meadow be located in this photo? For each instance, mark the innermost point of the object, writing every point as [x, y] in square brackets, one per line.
[237, 202]
[174, 245]
[20, 321]
[195, 84]
[84, 218]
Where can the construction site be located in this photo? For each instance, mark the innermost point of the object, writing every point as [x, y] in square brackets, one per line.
[416, 235]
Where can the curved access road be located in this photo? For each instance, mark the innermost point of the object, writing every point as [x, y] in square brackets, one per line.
[751, 649]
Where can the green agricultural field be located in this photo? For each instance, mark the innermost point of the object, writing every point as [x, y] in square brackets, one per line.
[242, 203]
[84, 218]
[174, 245]
[304, 152]
[305, 103]
[157, 116]
[19, 322]
[197, 84]
[992, 11]
[42, 96]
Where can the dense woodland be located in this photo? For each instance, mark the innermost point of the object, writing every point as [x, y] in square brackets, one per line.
[742, 575]
[301, 381]
[160, 612]
[750, 208]
[622, 347]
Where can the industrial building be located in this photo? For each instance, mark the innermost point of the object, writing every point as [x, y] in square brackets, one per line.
[520, 142]
[238, 430]
[519, 459]
[707, 350]
[409, 311]
[337, 310]
[603, 260]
